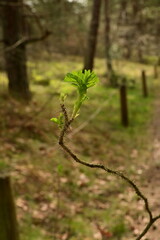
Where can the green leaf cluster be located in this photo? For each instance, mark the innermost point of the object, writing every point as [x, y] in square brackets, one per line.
[82, 81]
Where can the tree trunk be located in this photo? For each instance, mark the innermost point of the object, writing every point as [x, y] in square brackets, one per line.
[124, 105]
[144, 84]
[15, 57]
[8, 222]
[137, 16]
[108, 43]
[92, 38]
[155, 68]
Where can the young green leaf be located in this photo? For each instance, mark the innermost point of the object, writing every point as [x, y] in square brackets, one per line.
[59, 120]
[63, 97]
[82, 81]
[55, 120]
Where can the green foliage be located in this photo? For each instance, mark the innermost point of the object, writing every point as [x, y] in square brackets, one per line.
[60, 169]
[78, 227]
[58, 120]
[4, 167]
[33, 233]
[82, 81]
[119, 229]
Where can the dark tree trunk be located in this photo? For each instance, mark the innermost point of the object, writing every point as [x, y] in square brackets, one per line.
[15, 57]
[92, 38]
[144, 84]
[108, 43]
[155, 71]
[124, 107]
[8, 222]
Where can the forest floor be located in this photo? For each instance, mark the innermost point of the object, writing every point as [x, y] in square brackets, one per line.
[56, 198]
[152, 173]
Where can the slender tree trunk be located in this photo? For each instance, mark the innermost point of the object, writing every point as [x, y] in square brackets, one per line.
[144, 84]
[8, 222]
[124, 105]
[155, 68]
[15, 57]
[92, 37]
[108, 42]
[137, 16]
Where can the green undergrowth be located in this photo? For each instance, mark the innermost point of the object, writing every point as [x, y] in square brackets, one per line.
[56, 198]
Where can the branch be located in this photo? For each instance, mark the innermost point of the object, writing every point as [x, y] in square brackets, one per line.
[26, 40]
[35, 16]
[139, 193]
[30, 15]
[28, 8]
[37, 39]
[12, 4]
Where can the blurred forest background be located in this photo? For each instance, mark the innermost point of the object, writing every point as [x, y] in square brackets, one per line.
[55, 198]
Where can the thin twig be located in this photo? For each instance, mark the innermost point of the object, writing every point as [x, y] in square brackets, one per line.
[27, 40]
[139, 193]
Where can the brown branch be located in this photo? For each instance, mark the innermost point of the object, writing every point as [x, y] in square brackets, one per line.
[65, 114]
[37, 39]
[139, 193]
[28, 8]
[26, 40]
[150, 223]
[12, 4]
[30, 15]
[36, 17]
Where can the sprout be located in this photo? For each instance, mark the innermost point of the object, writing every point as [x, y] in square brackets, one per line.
[82, 81]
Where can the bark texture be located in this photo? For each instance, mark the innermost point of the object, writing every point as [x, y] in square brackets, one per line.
[15, 57]
[110, 72]
[92, 37]
[124, 106]
[144, 84]
[8, 222]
